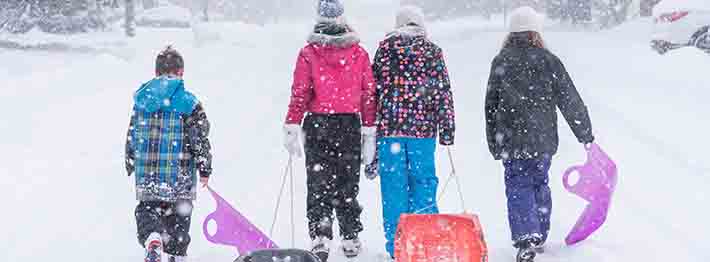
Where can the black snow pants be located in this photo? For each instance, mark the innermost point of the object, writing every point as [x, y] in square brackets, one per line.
[171, 220]
[333, 147]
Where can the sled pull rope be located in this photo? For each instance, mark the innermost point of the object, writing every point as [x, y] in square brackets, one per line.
[288, 174]
[452, 176]
[293, 219]
[462, 199]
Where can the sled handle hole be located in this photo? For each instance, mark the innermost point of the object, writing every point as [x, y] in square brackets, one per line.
[211, 227]
[571, 177]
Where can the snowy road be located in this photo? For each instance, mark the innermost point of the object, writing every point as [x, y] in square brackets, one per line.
[66, 197]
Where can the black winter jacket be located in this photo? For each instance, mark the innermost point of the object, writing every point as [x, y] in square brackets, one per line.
[526, 86]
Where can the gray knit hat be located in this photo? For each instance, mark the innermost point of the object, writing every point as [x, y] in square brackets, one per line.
[330, 9]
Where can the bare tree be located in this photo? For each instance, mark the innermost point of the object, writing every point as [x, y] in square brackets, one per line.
[612, 12]
[205, 10]
[130, 18]
[148, 4]
[647, 7]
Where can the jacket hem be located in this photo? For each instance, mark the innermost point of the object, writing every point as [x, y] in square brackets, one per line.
[150, 197]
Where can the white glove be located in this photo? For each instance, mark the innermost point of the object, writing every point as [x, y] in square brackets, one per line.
[588, 146]
[371, 170]
[292, 140]
[369, 144]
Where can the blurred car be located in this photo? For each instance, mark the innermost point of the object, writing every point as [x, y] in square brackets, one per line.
[681, 23]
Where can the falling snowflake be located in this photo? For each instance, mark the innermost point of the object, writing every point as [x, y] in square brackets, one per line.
[317, 167]
[396, 148]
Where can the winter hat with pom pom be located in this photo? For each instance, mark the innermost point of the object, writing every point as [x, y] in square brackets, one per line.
[330, 9]
[525, 19]
[409, 15]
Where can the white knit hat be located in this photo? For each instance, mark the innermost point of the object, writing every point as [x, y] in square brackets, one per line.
[409, 15]
[525, 19]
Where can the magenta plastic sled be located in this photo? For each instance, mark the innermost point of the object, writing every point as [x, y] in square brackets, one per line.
[233, 229]
[596, 184]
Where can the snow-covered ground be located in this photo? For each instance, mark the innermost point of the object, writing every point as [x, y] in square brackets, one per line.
[65, 195]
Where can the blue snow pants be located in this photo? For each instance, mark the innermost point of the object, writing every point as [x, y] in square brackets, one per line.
[529, 199]
[408, 180]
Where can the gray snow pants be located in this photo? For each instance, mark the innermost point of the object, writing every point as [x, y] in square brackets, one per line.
[171, 220]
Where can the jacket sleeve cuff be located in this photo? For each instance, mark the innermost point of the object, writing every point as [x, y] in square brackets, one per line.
[293, 121]
[446, 140]
[368, 123]
[292, 128]
[369, 131]
[587, 139]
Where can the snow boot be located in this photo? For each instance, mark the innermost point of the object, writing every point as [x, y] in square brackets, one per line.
[172, 258]
[154, 248]
[539, 243]
[352, 247]
[527, 249]
[321, 248]
[526, 254]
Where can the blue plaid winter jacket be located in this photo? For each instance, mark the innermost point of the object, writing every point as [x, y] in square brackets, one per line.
[167, 142]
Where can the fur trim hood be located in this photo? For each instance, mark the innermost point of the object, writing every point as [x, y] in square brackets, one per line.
[340, 41]
[409, 31]
[338, 35]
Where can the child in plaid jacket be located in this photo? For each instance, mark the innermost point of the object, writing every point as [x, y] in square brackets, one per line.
[167, 148]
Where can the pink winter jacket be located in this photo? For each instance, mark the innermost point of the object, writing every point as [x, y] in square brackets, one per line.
[332, 79]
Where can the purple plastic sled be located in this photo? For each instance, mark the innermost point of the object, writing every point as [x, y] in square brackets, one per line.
[596, 184]
[233, 229]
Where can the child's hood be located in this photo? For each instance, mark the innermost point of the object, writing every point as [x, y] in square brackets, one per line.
[406, 36]
[336, 57]
[335, 44]
[165, 94]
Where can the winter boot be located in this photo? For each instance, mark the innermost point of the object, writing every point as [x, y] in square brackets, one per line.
[526, 254]
[172, 258]
[527, 249]
[321, 248]
[154, 248]
[540, 249]
[539, 243]
[352, 247]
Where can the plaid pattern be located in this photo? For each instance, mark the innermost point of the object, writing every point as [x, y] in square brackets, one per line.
[164, 150]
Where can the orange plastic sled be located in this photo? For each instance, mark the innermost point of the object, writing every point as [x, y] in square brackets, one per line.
[432, 238]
